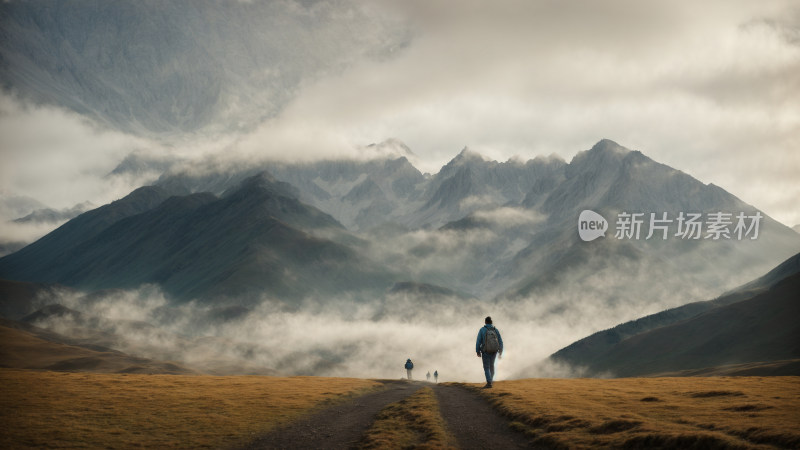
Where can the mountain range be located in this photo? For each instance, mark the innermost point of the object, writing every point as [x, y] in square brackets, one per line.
[478, 228]
[376, 241]
[210, 246]
[50, 215]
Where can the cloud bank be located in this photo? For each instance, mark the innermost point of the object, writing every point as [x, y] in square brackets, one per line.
[707, 89]
[347, 337]
[704, 89]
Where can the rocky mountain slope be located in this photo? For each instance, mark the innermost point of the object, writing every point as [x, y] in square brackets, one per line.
[254, 240]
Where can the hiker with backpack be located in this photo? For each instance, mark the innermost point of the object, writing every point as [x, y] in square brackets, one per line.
[436, 376]
[409, 365]
[488, 346]
[428, 375]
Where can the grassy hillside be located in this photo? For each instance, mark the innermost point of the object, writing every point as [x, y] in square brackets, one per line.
[49, 409]
[761, 327]
[34, 348]
[588, 350]
[717, 412]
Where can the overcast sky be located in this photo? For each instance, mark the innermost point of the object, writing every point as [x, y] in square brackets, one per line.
[711, 88]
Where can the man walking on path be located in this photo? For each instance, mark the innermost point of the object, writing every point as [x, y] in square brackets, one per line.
[488, 345]
[428, 375]
[409, 365]
[436, 376]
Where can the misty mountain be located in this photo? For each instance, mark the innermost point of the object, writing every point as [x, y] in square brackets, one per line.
[385, 188]
[481, 228]
[610, 179]
[50, 215]
[14, 206]
[138, 164]
[54, 249]
[753, 323]
[524, 213]
[255, 240]
[433, 251]
[156, 68]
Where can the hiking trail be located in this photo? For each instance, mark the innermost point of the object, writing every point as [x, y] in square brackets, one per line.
[468, 418]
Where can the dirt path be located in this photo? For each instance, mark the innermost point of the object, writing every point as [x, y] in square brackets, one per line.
[474, 423]
[469, 418]
[338, 427]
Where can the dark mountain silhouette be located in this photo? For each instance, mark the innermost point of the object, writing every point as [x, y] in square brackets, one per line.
[34, 261]
[256, 239]
[755, 323]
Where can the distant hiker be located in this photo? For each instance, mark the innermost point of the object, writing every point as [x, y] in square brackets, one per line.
[428, 375]
[409, 365]
[436, 376]
[488, 346]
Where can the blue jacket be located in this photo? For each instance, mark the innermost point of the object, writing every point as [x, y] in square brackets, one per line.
[409, 364]
[482, 337]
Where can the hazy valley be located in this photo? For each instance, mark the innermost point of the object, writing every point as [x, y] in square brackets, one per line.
[382, 260]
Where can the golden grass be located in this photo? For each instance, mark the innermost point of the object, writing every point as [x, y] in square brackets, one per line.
[57, 409]
[412, 423]
[722, 412]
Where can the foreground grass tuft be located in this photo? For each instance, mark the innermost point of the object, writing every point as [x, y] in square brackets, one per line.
[412, 423]
[58, 409]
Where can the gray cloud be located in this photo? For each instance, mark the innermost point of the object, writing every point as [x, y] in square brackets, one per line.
[346, 337]
[57, 157]
[705, 88]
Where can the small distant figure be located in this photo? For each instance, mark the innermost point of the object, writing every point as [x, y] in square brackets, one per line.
[488, 345]
[428, 375]
[436, 376]
[409, 365]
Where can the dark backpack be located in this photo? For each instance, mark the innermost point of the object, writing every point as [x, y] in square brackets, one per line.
[491, 343]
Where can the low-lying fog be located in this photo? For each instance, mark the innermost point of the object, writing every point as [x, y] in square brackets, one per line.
[345, 337]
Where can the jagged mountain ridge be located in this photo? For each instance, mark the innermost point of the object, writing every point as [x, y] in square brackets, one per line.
[378, 190]
[478, 227]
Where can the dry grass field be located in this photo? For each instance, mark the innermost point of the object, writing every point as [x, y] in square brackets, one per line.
[58, 409]
[411, 423]
[708, 413]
